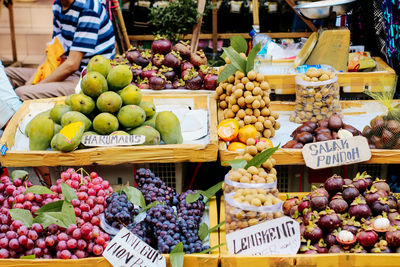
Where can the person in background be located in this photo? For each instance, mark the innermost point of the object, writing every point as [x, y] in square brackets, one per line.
[9, 101]
[84, 29]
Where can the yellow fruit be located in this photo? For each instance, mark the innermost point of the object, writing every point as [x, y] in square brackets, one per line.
[252, 75]
[248, 131]
[235, 146]
[228, 129]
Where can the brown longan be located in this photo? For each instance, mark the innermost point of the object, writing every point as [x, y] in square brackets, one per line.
[265, 112]
[260, 77]
[245, 80]
[259, 126]
[250, 141]
[253, 119]
[257, 91]
[256, 104]
[252, 75]
[235, 108]
[256, 112]
[264, 85]
[223, 105]
[241, 113]
[249, 86]
[247, 93]
[267, 124]
[249, 99]
[247, 119]
[249, 111]
[238, 93]
[241, 102]
[222, 97]
[277, 125]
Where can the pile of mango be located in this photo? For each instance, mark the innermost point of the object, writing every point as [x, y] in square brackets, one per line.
[107, 105]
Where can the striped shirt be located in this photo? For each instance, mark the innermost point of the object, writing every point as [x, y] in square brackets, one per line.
[84, 27]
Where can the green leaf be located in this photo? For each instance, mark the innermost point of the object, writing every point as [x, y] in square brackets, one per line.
[239, 43]
[210, 192]
[223, 55]
[190, 198]
[151, 205]
[69, 213]
[211, 249]
[28, 257]
[38, 189]
[19, 174]
[47, 218]
[235, 58]
[214, 228]
[55, 206]
[134, 196]
[22, 215]
[177, 255]
[236, 163]
[251, 57]
[226, 72]
[203, 231]
[262, 157]
[68, 192]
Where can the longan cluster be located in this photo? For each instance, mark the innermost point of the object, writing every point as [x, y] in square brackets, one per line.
[254, 175]
[315, 103]
[237, 218]
[253, 148]
[246, 99]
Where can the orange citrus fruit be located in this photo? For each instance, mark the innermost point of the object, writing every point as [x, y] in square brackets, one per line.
[234, 146]
[228, 129]
[248, 131]
[267, 141]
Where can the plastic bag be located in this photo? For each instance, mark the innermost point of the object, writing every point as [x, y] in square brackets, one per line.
[317, 95]
[384, 130]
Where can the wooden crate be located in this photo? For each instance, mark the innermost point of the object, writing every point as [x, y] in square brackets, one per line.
[190, 260]
[351, 82]
[302, 260]
[116, 155]
[294, 156]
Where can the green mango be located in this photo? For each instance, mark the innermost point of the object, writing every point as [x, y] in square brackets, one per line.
[28, 127]
[41, 131]
[100, 64]
[69, 138]
[169, 127]
[131, 95]
[131, 116]
[57, 128]
[151, 121]
[74, 116]
[105, 123]
[149, 108]
[82, 103]
[119, 77]
[151, 134]
[58, 111]
[94, 84]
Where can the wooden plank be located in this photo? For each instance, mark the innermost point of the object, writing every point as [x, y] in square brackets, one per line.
[201, 4]
[295, 157]
[214, 27]
[273, 35]
[116, 155]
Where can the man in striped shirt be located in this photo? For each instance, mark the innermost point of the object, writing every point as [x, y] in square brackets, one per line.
[84, 29]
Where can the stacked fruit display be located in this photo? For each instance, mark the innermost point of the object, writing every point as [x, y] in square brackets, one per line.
[384, 132]
[165, 225]
[46, 239]
[323, 130]
[169, 67]
[250, 193]
[120, 111]
[357, 216]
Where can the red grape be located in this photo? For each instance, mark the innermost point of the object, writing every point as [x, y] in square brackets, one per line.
[72, 243]
[97, 250]
[65, 254]
[4, 254]
[38, 228]
[32, 235]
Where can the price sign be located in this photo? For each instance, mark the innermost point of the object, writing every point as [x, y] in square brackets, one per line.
[336, 152]
[113, 140]
[278, 236]
[127, 250]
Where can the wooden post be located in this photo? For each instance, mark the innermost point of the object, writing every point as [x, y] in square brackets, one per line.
[306, 21]
[196, 30]
[256, 16]
[12, 30]
[121, 23]
[215, 27]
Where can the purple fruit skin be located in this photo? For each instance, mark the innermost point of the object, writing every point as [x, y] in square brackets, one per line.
[319, 203]
[393, 238]
[170, 60]
[194, 83]
[141, 61]
[361, 185]
[304, 204]
[170, 75]
[315, 235]
[156, 83]
[367, 238]
[132, 56]
[377, 208]
[169, 86]
[336, 249]
[161, 46]
[330, 240]
[339, 205]
[350, 193]
[360, 211]
[148, 74]
[351, 228]
[329, 222]
[334, 184]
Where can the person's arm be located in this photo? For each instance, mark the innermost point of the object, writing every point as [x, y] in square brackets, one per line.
[68, 67]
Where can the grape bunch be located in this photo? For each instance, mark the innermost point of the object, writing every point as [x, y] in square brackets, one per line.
[81, 240]
[154, 189]
[119, 211]
[143, 231]
[191, 211]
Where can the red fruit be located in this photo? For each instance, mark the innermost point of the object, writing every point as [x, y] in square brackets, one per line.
[30, 244]
[16, 225]
[157, 82]
[62, 237]
[10, 189]
[198, 59]
[86, 228]
[361, 184]
[378, 184]
[81, 244]
[72, 243]
[374, 194]
[367, 238]
[157, 60]
[132, 54]
[319, 203]
[95, 220]
[4, 242]
[192, 80]
[334, 184]
[97, 250]
[50, 241]
[38, 228]
[380, 206]
[313, 233]
[183, 48]
[161, 45]
[318, 192]
[65, 254]
[17, 182]
[144, 59]
[289, 204]
[393, 237]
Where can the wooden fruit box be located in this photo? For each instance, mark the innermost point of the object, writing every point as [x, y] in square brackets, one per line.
[294, 156]
[352, 82]
[302, 260]
[190, 260]
[116, 155]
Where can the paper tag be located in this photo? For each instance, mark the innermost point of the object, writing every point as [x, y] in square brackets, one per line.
[336, 152]
[278, 236]
[126, 249]
[272, 7]
[3, 150]
[113, 140]
[236, 6]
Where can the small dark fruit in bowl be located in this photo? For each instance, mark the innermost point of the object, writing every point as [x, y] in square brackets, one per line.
[377, 125]
[172, 60]
[323, 137]
[298, 146]
[302, 128]
[335, 122]
[132, 54]
[367, 131]
[349, 193]
[334, 184]
[322, 130]
[330, 239]
[336, 249]
[338, 204]
[161, 45]
[193, 81]
[183, 48]
[359, 209]
[198, 58]
[393, 126]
